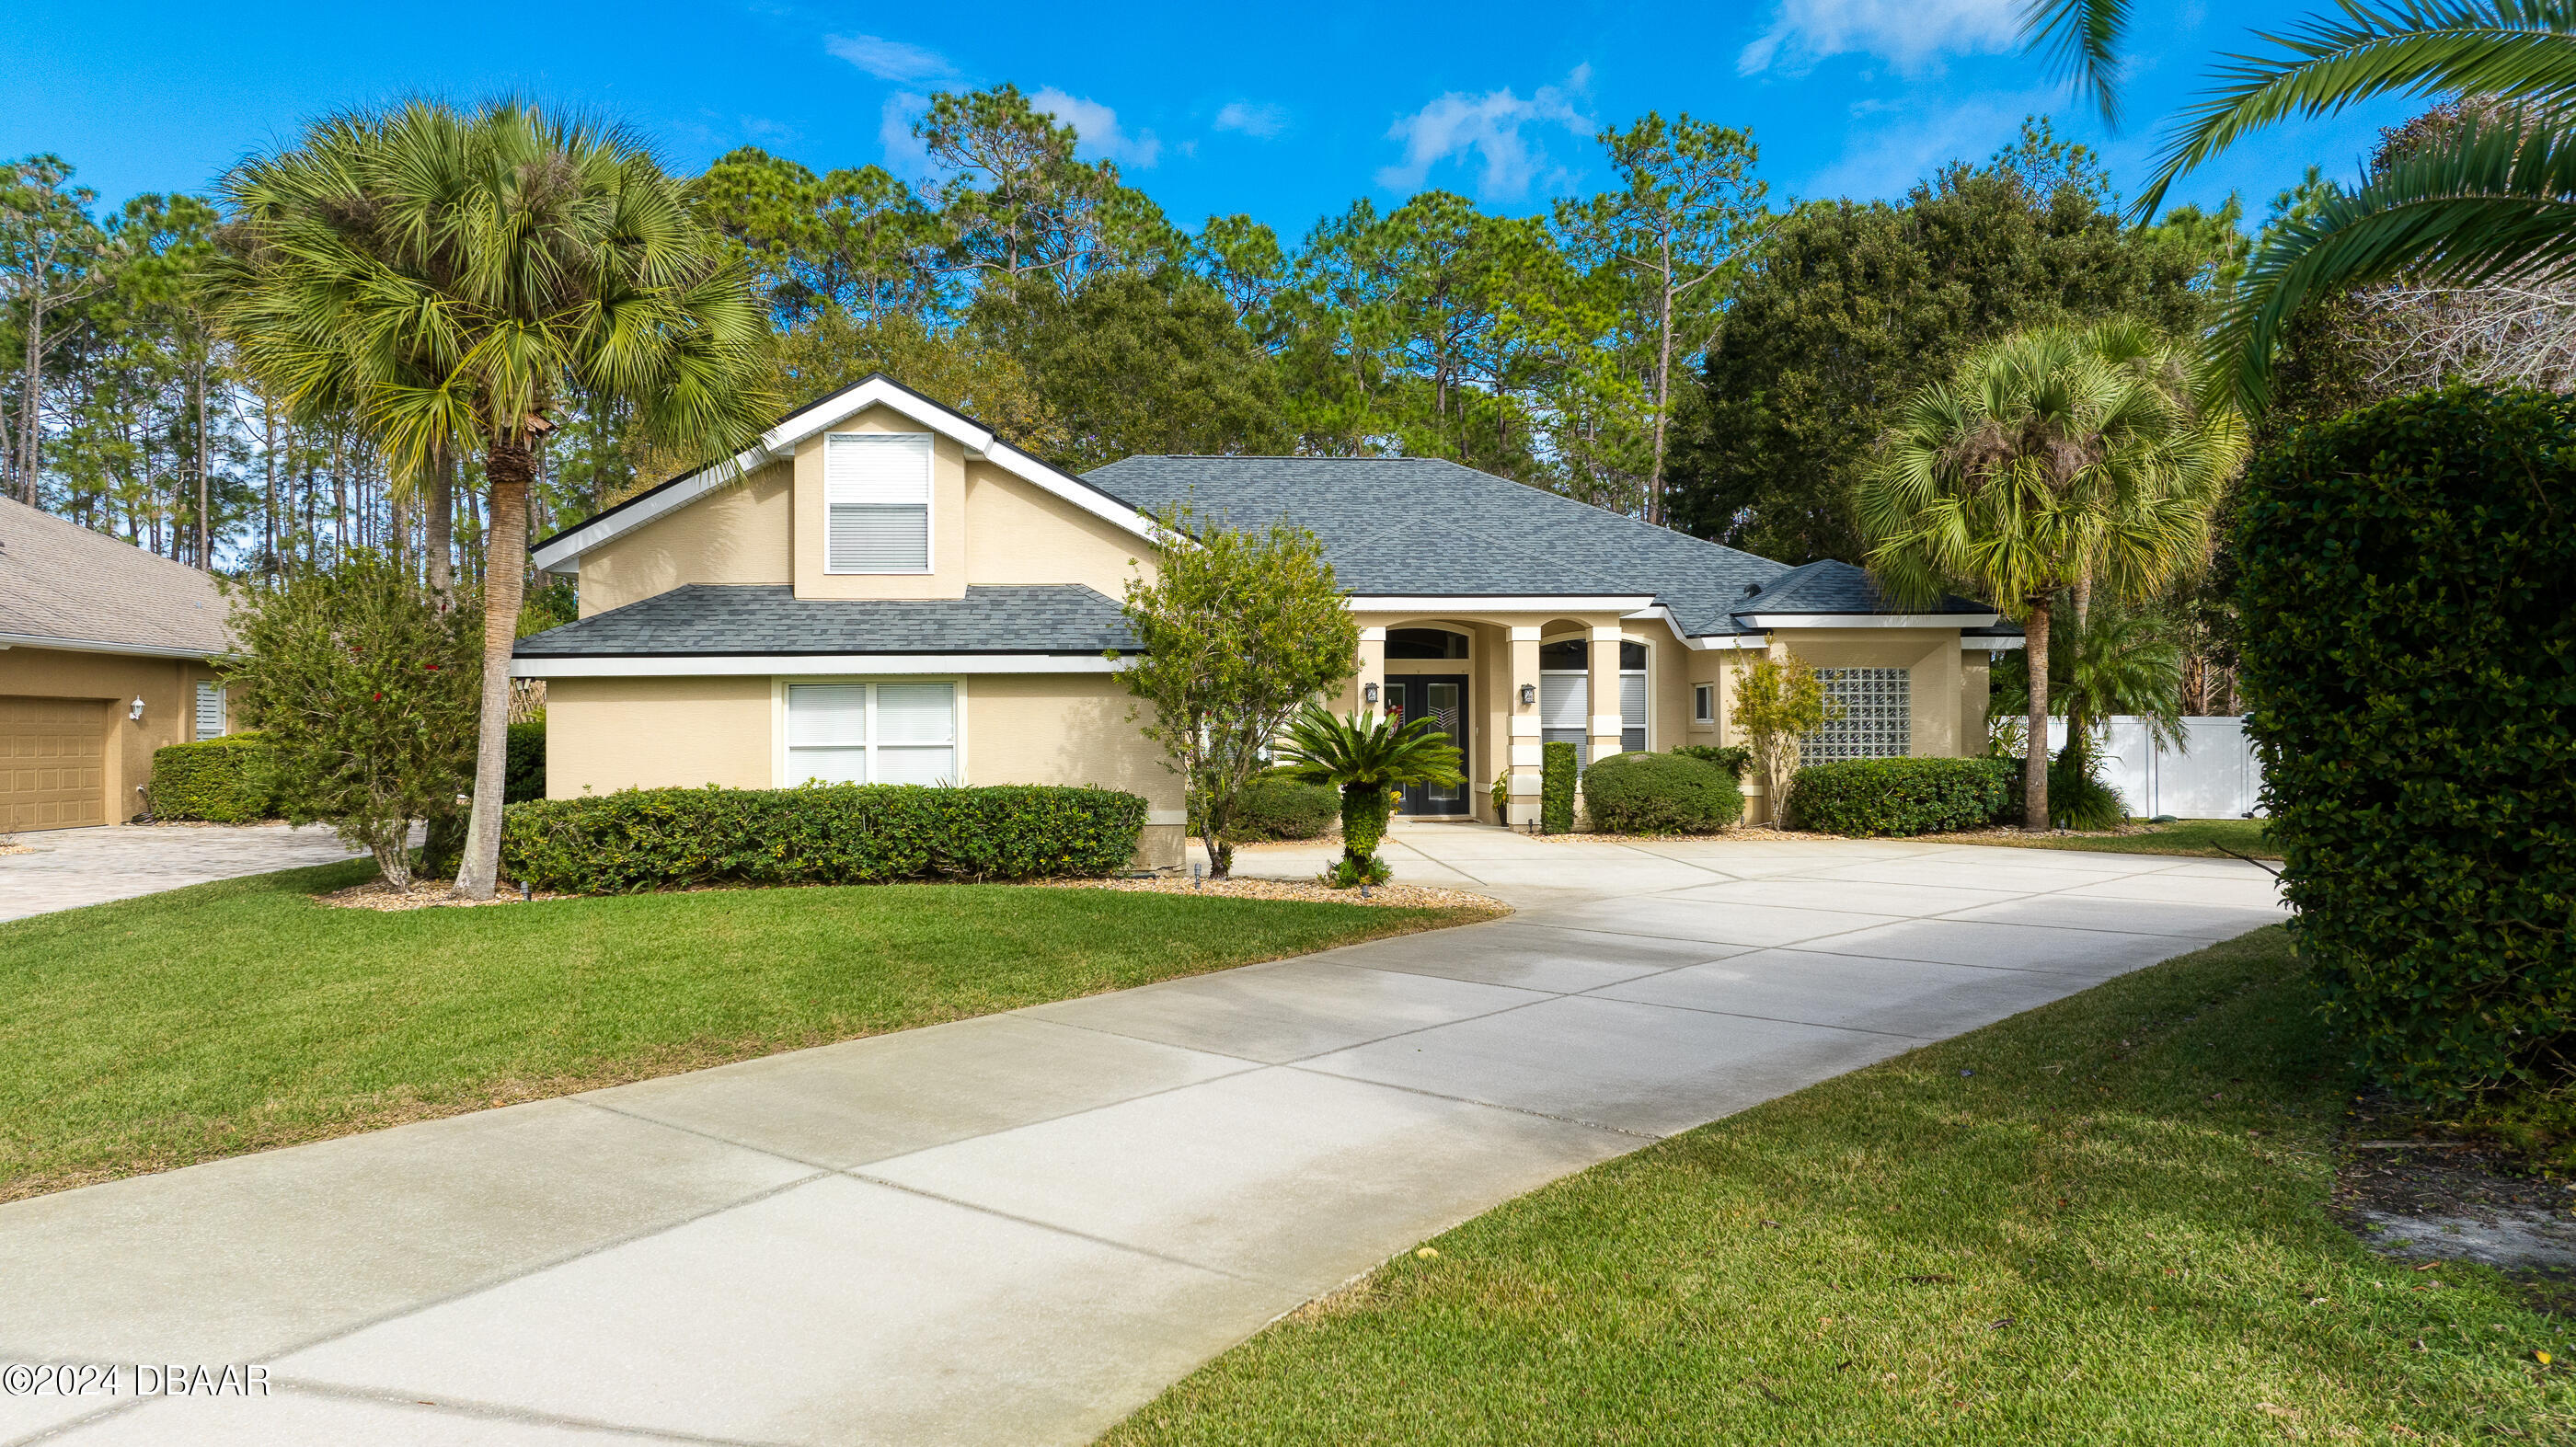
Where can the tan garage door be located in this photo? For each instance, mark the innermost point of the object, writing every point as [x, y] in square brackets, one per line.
[53, 767]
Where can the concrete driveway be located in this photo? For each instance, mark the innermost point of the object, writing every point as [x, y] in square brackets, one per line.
[1017, 1229]
[68, 868]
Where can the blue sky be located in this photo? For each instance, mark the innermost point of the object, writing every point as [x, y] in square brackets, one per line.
[1289, 115]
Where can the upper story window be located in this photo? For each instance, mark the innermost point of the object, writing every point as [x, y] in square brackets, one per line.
[876, 500]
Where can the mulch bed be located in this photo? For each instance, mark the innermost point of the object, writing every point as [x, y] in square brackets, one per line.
[376, 894]
[2436, 1197]
[1391, 896]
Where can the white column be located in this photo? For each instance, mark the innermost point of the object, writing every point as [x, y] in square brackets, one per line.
[1526, 757]
[1604, 680]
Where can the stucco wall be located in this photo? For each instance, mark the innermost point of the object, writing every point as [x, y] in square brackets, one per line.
[1937, 688]
[947, 575]
[739, 535]
[167, 686]
[606, 734]
[1017, 534]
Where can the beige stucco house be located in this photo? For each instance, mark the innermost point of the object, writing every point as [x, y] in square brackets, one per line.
[104, 657]
[883, 590]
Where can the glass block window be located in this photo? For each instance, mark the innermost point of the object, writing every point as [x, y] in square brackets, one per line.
[1877, 706]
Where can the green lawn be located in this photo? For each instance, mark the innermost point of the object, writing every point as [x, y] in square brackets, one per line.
[236, 1016]
[2113, 1231]
[2198, 838]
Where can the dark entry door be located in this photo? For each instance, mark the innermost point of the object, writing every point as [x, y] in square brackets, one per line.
[1443, 698]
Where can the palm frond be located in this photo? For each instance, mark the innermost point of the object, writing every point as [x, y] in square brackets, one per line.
[2086, 36]
[2482, 203]
[2516, 52]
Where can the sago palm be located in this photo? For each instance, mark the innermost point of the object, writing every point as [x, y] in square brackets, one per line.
[451, 280]
[2489, 198]
[2054, 462]
[1365, 756]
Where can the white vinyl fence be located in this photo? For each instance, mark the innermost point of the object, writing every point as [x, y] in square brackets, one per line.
[2215, 776]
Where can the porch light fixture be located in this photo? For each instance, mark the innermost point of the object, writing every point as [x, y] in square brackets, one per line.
[1368, 693]
[1529, 693]
[137, 712]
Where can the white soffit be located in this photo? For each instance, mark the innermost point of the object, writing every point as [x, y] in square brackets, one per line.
[563, 554]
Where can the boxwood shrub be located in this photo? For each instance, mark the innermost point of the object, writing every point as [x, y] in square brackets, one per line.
[230, 780]
[1874, 797]
[2414, 703]
[1734, 758]
[523, 775]
[1660, 794]
[1556, 772]
[1277, 808]
[642, 839]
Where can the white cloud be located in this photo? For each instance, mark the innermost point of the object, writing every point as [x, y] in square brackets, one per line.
[888, 59]
[1488, 128]
[1885, 161]
[1910, 34]
[905, 155]
[1260, 121]
[1098, 127]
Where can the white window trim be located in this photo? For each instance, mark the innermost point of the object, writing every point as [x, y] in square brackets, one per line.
[223, 710]
[778, 717]
[929, 513]
[1704, 692]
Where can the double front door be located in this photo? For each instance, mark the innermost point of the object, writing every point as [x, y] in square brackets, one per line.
[1443, 699]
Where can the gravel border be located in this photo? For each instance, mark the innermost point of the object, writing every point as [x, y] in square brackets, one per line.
[1392, 896]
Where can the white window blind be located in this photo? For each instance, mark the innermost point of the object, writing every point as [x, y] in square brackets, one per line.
[210, 710]
[872, 733]
[876, 492]
[1632, 712]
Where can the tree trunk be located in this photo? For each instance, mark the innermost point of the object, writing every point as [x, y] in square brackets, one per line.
[1655, 511]
[507, 470]
[442, 528]
[30, 423]
[393, 860]
[2034, 768]
[197, 384]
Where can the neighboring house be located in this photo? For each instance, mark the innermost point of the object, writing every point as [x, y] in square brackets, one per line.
[883, 590]
[104, 653]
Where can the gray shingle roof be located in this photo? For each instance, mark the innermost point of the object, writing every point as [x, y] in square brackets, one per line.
[61, 580]
[719, 619]
[1412, 525]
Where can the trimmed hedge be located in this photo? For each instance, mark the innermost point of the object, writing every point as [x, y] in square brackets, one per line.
[2414, 700]
[1556, 788]
[523, 775]
[642, 839]
[1869, 798]
[1734, 758]
[1660, 794]
[230, 780]
[1286, 809]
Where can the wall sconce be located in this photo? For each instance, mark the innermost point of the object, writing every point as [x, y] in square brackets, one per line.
[137, 713]
[1529, 693]
[1368, 694]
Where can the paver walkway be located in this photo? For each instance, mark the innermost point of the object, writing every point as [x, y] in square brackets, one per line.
[1017, 1229]
[68, 868]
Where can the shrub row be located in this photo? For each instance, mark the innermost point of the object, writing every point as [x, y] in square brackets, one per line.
[643, 839]
[1287, 809]
[230, 780]
[1734, 758]
[2414, 701]
[1875, 797]
[1660, 794]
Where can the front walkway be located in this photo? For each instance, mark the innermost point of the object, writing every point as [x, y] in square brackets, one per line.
[1017, 1229]
[68, 868]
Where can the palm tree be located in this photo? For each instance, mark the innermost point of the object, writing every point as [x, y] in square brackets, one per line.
[450, 280]
[2482, 200]
[2055, 462]
[1366, 756]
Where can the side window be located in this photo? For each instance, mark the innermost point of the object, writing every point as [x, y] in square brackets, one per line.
[1704, 703]
[210, 710]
